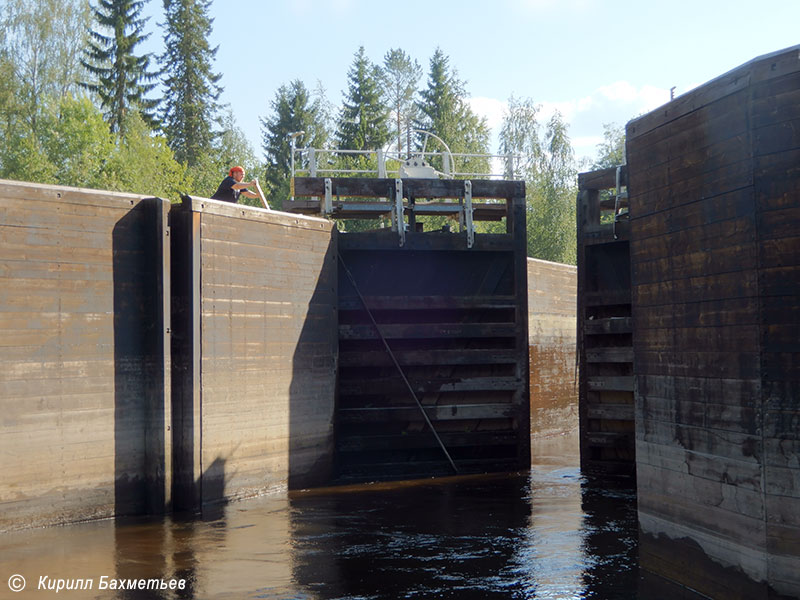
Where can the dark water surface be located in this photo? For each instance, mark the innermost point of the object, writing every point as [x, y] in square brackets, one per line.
[546, 534]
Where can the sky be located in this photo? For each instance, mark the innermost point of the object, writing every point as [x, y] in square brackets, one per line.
[596, 61]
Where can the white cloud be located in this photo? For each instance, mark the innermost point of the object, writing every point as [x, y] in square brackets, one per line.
[491, 109]
[652, 97]
[612, 98]
[586, 145]
[617, 102]
[567, 108]
[585, 103]
[619, 91]
[587, 141]
[643, 99]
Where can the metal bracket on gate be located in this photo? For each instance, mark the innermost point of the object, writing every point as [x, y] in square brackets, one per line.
[327, 207]
[620, 195]
[468, 213]
[397, 213]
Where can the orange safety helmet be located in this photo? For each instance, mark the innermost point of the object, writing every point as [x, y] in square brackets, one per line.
[234, 169]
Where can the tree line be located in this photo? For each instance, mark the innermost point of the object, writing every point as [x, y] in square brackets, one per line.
[82, 105]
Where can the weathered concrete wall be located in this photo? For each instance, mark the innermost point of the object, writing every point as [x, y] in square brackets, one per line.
[203, 345]
[256, 332]
[84, 354]
[715, 258]
[551, 340]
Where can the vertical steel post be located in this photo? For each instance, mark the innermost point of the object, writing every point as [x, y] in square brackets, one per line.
[381, 164]
[398, 210]
[468, 213]
[327, 206]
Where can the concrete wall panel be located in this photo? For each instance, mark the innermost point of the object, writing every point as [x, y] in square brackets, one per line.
[258, 326]
[83, 344]
[551, 340]
[717, 381]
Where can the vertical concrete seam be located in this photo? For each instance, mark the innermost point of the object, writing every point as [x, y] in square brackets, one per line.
[761, 326]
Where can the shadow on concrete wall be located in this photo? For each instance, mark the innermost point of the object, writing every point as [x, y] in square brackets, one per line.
[139, 362]
[312, 392]
[184, 393]
[213, 490]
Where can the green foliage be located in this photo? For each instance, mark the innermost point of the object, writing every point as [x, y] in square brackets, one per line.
[551, 217]
[293, 110]
[39, 40]
[121, 78]
[444, 111]
[22, 156]
[52, 134]
[231, 148]
[77, 148]
[190, 102]
[399, 78]
[440, 101]
[19, 143]
[519, 136]
[9, 95]
[362, 122]
[472, 138]
[611, 152]
[550, 172]
[143, 163]
[77, 142]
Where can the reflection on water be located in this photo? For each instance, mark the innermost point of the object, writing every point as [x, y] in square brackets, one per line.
[547, 534]
[457, 540]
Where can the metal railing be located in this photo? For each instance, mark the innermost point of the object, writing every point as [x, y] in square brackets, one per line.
[315, 162]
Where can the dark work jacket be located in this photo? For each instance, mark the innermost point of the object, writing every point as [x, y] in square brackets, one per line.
[226, 192]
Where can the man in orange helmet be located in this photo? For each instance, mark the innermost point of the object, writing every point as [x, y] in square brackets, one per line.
[232, 186]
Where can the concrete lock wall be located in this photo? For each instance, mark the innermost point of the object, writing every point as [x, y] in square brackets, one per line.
[91, 424]
[84, 355]
[715, 268]
[255, 346]
[552, 289]
[161, 356]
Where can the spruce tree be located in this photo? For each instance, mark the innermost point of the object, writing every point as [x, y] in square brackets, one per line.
[190, 106]
[440, 101]
[362, 122]
[293, 110]
[400, 77]
[123, 79]
[445, 112]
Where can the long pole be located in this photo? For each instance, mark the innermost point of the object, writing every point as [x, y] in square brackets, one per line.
[292, 175]
[261, 194]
